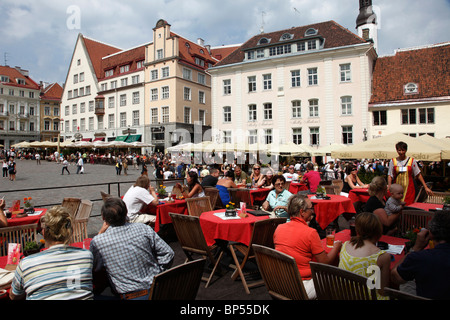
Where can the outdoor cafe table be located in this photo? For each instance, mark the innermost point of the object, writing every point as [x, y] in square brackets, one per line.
[359, 195]
[425, 206]
[30, 219]
[258, 195]
[328, 210]
[235, 229]
[162, 211]
[295, 187]
[344, 236]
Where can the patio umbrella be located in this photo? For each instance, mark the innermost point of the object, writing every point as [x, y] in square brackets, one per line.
[23, 144]
[323, 151]
[81, 144]
[180, 147]
[290, 148]
[384, 148]
[138, 144]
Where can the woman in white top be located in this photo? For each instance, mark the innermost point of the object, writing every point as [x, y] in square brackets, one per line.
[138, 198]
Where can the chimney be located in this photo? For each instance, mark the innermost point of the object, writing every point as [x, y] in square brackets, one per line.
[201, 42]
[208, 47]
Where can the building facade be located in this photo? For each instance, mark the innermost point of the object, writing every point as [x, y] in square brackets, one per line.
[50, 112]
[308, 84]
[19, 107]
[411, 92]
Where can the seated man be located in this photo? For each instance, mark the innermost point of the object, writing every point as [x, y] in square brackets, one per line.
[138, 197]
[311, 177]
[428, 268]
[240, 177]
[130, 253]
[290, 175]
[211, 179]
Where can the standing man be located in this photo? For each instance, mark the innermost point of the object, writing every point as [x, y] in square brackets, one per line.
[38, 158]
[130, 253]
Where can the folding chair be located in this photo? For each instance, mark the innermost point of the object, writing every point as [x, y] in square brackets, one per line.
[80, 231]
[72, 205]
[196, 206]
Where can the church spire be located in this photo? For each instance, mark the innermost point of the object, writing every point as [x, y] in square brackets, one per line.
[366, 22]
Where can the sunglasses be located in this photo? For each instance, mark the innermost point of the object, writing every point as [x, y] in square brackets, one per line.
[256, 168]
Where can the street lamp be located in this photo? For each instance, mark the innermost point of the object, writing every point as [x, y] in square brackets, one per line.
[365, 134]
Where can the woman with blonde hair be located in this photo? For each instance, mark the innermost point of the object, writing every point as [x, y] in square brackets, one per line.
[361, 252]
[61, 272]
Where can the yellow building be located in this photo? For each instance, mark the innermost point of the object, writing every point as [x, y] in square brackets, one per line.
[50, 111]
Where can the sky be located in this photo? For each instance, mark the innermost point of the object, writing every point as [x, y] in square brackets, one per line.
[40, 36]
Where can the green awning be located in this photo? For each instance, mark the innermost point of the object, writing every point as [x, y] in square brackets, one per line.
[133, 138]
[121, 138]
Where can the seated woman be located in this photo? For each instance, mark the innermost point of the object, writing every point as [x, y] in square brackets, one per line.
[268, 180]
[278, 198]
[50, 274]
[352, 180]
[195, 189]
[302, 242]
[137, 198]
[361, 251]
[376, 205]
[256, 176]
[223, 184]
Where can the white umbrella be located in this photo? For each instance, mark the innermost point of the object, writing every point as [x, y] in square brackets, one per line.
[181, 147]
[101, 144]
[289, 148]
[138, 144]
[23, 144]
[323, 151]
[81, 144]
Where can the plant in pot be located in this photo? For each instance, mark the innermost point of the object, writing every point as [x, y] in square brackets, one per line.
[162, 192]
[411, 235]
[446, 203]
[30, 247]
[320, 192]
[28, 206]
[230, 210]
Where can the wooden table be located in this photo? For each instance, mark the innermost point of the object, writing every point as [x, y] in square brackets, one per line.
[295, 187]
[361, 195]
[162, 211]
[31, 219]
[425, 206]
[237, 230]
[328, 210]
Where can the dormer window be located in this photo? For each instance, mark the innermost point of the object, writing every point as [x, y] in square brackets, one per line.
[411, 88]
[109, 73]
[286, 36]
[263, 41]
[4, 78]
[21, 81]
[311, 32]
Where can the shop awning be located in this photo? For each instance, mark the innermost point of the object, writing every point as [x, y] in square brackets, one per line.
[133, 138]
[86, 139]
[121, 138]
[99, 139]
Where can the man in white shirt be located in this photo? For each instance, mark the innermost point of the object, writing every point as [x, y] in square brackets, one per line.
[138, 198]
[290, 175]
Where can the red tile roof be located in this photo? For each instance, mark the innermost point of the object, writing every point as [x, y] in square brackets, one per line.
[97, 51]
[334, 34]
[189, 52]
[428, 67]
[52, 92]
[221, 53]
[127, 57]
[13, 74]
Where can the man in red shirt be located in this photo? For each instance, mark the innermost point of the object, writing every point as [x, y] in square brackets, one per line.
[311, 177]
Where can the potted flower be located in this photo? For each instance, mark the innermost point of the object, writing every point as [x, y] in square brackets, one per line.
[162, 192]
[28, 205]
[411, 235]
[30, 247]
[320, 192]
[446, 203]
[230, 210]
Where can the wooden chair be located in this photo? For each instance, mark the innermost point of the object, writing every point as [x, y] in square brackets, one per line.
[213, 194]
[178, 283]
[331, 189]
[339, 183]
[177, 190]
[238, 195]
[196, 206]
[394, 294]
[437, 197]
[80, 231]
[287, 185]
[333, 283]
[414, 219]
[17, 234]
[72, 205]
[105, 195]
[325, 182]
[280, 274]
[262, 234]
[192, 241]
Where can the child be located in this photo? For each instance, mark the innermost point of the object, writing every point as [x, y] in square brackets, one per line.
[395, 203]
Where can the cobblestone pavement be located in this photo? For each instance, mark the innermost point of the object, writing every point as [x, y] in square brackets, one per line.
[31, 176]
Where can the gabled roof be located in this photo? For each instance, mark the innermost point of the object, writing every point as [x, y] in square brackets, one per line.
[222, 52]
[189, 50]
[428, 67]
[52, 92]
[126, 57]
[13, 74]
[96, 51]
[333, 34]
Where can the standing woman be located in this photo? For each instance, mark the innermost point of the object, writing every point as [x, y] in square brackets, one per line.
[403, 170]
[5, 169]
[195, 189]
[12, 169]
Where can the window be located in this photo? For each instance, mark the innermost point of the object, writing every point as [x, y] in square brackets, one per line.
[345, 72]
[312, 44]
[100, 122]
[296, 109]
[279, 50]
[134, 79]
[260, 53]
[31, 111]
[165, 72]
[301, 46]
[252, 84]
[411, 88]
[379, 118]
[154, 94]
[408, 116]
[123, 100]
[426, 115]
[297, 135]
[267, 111]
[66, 110]
[201, 97]
[46, 111]
[200, 62]
[187, 74]
[250, 55]
[111, 102]
[55, 111]
[81, 76]
[91, 106]
[187, 115]
[109, 73]
[56, 126]
[165, 92]
[82, 124]
[165, 114]
[75, 78]
[295, 78]
[227, 87]
[111, 121]
[113, 84]
[160, 54]
[346, 105]
[154, 112]
[46, 125]
[314, 136]
[312, 76]
[201, 78]
[104, 87]
[91, 123]
[136, 97]
[82, 107]
[124, 69]
[252, 112]
[135, 118]
[347, 134]
[314, 108]
[67, 124]
[187, 94]
[268, 136]
[227, 114]
[253, 136]
[74, 109]
[267, 82]
[154, 75]
[202, 116]
[74, 125]
[226, 136]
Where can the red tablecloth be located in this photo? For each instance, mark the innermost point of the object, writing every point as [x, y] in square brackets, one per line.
[238, 230]
[258, 195]
[295, 187]
[425, 206]
[344, 235]
[361, 195]
[26, 220]
[162, 211]
[328, 210]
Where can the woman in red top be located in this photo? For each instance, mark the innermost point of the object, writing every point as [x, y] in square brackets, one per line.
[302, 242]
